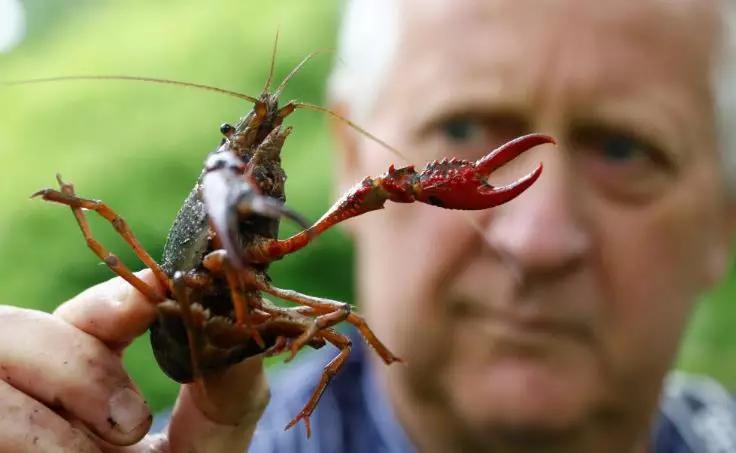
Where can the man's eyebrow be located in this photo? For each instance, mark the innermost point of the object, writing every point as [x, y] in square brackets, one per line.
[660, 127]
[487, 113]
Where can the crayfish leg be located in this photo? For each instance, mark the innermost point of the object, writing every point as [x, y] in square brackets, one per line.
[312, 322]
[243, 305]
[67, 197]
[321, 321]
[334, 312]
[343, 343]
[193, 339]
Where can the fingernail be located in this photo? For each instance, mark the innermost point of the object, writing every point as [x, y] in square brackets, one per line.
[128, 410]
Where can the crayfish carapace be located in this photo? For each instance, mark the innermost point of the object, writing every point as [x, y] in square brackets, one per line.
[212, 313]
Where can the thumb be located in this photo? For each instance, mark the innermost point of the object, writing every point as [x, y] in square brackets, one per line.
[113, 312]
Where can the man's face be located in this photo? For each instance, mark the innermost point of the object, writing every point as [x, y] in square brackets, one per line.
[567, 304]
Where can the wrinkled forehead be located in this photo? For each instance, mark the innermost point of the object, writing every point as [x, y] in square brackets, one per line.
[667, 19]
[642, 39]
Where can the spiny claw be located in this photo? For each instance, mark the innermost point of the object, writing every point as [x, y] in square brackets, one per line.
[459, 184]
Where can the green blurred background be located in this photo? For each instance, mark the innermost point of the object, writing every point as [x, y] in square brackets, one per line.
[140, 147]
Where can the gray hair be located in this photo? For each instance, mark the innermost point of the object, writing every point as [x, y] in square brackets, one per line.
[12, 24]
[724, 92]
[368, 40]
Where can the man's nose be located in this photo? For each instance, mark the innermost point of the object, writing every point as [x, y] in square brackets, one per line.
[543, 231]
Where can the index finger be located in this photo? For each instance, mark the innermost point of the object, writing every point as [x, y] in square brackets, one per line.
[113, 312]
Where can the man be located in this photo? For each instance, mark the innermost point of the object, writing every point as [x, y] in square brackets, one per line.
[552, 328]
[545, 325]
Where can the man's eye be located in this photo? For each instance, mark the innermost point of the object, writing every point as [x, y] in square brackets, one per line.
[620, 149]
[462, 130]
[470, 137]
[621, 164]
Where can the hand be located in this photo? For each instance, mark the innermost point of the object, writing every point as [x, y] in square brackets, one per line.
[63, 386]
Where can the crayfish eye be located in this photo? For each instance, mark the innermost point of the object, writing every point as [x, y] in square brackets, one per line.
[227, 130]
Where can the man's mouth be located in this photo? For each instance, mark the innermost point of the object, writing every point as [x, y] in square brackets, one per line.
[527, 328]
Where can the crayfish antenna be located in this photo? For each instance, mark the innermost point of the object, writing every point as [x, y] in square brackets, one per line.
[267, 86]
[235, 94]
[319, 108]
[133, 79]
[296, 69]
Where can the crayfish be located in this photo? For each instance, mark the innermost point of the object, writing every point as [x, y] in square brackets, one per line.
[212, 312]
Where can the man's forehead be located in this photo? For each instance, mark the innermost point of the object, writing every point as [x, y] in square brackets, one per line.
[437, 15]
[556, 60]
[658, 35]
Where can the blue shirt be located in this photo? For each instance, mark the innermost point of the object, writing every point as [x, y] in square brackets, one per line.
[697, 415]
[352, 416]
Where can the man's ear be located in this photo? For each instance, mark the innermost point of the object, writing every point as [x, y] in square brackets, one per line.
[346, 158]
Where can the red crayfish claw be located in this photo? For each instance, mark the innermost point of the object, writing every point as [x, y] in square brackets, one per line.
[460, 184]
[449, 183]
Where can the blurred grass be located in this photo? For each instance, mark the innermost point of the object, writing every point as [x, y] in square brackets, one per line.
[140, 147]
